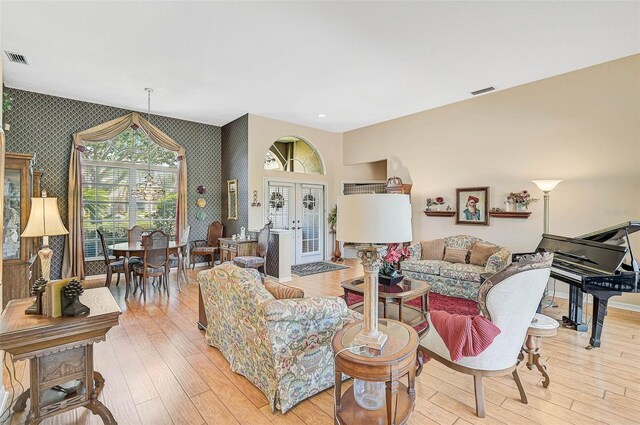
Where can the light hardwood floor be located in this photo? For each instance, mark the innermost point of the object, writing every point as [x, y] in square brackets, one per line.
[158, 370]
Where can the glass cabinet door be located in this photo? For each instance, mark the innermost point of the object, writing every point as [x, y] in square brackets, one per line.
[11, 225]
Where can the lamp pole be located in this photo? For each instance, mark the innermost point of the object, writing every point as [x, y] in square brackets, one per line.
[370, 336]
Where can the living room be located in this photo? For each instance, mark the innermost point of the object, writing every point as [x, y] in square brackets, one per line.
[230, 131]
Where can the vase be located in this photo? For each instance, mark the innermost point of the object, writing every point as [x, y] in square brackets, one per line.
[369, 395]
[509, 207]
[383, 279]
[521, 207]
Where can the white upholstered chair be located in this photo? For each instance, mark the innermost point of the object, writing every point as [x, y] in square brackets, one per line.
[509, 299]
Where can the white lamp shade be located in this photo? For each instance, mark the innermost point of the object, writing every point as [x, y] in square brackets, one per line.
[546, 185]
[374, 218]
[44, 219]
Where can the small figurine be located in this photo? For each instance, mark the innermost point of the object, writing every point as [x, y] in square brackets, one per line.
[448, 207]
[71, 300]
[36, 291]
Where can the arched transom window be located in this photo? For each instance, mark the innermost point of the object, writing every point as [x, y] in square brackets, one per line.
[294, 155]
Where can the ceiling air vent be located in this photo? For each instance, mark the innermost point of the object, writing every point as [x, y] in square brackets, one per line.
[484, 90]
[17, 58]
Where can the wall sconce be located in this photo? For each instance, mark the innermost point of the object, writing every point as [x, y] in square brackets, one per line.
[255, 202]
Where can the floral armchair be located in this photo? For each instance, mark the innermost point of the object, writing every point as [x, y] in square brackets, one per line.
[454, 279]
[282, 346]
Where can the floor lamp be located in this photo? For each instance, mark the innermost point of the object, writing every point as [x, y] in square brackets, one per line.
[44, 221]
[546, 186]
[368, 220]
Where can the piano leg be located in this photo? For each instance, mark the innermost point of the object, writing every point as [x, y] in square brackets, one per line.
[575, 310]
[600, 301]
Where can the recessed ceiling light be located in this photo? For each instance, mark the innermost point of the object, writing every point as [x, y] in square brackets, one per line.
[322, 115]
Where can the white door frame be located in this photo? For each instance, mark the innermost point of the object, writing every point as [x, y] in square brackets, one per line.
[288, 180]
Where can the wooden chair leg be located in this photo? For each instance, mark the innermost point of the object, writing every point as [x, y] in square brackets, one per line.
[144, 287]
[479, 390]
[523, 395]
[118, 279]
[107, 282]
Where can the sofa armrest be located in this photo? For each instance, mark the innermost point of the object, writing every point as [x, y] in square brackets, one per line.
[304, 309]
[416, 251]
[498, 261]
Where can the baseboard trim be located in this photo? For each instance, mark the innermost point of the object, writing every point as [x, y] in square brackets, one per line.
[612, 304]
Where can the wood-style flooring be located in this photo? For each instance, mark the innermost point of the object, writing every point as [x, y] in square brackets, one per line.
[158, 371]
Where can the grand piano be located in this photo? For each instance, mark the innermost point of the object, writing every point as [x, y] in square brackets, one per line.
[600, 263]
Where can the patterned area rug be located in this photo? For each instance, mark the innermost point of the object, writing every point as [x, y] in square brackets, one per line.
[436, 302]
[315, 268]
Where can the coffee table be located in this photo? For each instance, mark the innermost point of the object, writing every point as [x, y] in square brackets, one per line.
[394, 299]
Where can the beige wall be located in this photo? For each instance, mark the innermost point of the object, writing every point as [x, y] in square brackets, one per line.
[262, 133]
[583, 127]
[367, 171]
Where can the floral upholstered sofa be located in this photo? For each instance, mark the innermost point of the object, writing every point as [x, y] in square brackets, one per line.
[460, 280]
[282, 346]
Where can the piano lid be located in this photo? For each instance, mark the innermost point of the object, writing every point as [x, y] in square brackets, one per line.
[587, 256]
[613, 234]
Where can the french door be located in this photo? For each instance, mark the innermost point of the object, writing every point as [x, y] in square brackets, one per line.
[299, 207]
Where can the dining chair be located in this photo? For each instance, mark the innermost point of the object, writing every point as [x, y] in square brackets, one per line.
[207, 247]
[134, 234]
[174, 258]
[155, 262]
[260, 260]
[113, 265]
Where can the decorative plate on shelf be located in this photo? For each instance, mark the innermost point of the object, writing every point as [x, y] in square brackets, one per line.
[201, 203]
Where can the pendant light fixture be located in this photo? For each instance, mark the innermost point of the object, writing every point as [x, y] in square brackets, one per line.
[148, 190]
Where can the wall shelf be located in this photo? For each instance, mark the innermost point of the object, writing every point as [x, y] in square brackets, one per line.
[510, 214]
[440, 213]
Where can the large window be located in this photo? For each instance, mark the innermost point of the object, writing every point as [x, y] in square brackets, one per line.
[110, 170]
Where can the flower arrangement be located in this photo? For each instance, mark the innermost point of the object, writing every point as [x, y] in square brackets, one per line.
[437, 201]
[332, 218]
[391, 261]
[523, 198]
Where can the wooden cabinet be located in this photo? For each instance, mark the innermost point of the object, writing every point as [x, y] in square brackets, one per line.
[19, 255]
[230, 248]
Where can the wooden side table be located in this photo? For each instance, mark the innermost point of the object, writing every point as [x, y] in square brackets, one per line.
[541, 326]
[396, 360]
[60, 352]
[232, 248]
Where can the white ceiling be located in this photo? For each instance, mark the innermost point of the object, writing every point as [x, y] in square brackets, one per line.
[357, 62]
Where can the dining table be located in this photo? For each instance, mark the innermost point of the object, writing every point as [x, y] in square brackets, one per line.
[135, 249]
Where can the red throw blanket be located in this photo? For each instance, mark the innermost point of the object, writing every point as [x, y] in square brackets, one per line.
[464, 336]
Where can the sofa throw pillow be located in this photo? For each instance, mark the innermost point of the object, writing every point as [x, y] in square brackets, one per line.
[282, 292]
[432, 250]
[480, 253]
[455, 255]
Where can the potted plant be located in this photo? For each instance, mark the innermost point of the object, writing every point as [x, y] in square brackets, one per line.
[435, 203]
[390, 273]
[520, 200]
[332, 218]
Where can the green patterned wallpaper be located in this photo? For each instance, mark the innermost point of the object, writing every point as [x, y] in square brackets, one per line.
[45, 124]
[235, 165]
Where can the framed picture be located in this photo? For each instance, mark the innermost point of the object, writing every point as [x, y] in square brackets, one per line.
[232, 199]
[472, 205]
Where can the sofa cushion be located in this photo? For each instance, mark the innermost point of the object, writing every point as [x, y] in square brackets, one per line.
[469, 272]
[432, 250]
[455, 255]
[424, 266]
[480, 253]
[282, 292]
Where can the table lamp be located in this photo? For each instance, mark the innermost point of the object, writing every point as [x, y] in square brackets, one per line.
[44, 221]
[373, 219]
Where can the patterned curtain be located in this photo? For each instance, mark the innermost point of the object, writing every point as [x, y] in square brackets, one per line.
[73, 261]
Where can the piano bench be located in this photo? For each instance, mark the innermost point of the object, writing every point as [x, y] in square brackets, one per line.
[541, 326]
